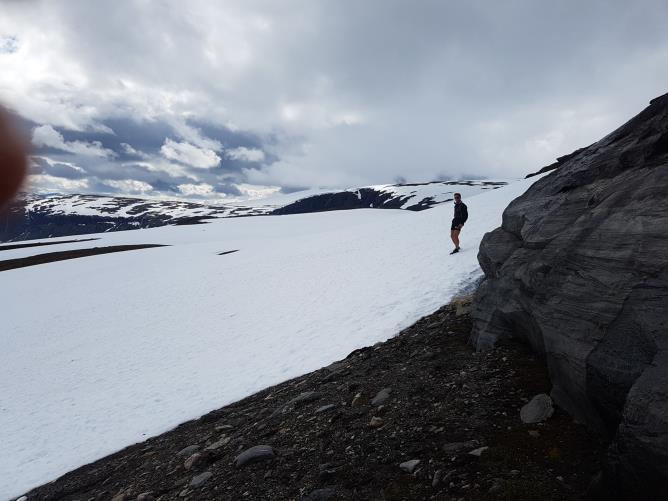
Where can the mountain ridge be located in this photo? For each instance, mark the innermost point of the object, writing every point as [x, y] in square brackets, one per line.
[32, 216]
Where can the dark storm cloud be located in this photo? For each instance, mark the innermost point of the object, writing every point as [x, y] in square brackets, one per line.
[346, 93]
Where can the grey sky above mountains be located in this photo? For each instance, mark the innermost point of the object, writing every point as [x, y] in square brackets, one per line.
[229, 99]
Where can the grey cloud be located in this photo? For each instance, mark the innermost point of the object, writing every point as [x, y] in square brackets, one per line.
[348, 93]
[228, 189]
[58, 169]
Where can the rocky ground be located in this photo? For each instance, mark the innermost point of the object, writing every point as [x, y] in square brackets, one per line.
[421, 416]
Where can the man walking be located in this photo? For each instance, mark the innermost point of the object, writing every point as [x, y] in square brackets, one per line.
[461, 215]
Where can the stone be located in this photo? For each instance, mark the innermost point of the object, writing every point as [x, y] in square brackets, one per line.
[320, 495]
[579, 270]
[381, 397]
[376, 422]
[201, 479]
[356, 400]
[409, 466]
[254, 454]
[478, 452]
[456, 447]
[188, 451]
[438, 476]
[302, 398]
[193, 461]
[539, 409]
[146, 496]
[534, 433]
[463, 307]
[298, 401]
[325, 408]
[218, 444]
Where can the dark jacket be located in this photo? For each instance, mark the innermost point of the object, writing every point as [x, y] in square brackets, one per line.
[461, 212]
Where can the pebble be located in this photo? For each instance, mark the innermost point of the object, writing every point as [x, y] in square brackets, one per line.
[145, 496]
[192, 461]
[537, 410]
[409, 466]
[223, 427]
[200, 479]
[376, 422]
[478, 452]
[534, 433]
[356, 400]
[455, 447]
[325, 408]
[22, 498]
[217, 445]
[254, 454]
[320, 495]
[381, 397]
[188, 451]
[514, 473]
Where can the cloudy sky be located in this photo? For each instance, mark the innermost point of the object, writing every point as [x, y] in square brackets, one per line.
[229, 99]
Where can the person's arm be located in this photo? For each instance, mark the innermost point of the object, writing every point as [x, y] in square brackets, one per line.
[465, 213]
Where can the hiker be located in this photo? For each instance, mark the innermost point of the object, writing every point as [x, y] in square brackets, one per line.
[461, 215]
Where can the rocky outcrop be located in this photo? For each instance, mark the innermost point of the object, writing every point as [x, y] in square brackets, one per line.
[579, 269]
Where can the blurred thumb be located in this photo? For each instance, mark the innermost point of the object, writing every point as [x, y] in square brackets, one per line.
[13, 157]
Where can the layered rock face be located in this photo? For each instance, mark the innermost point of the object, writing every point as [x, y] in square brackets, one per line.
[579, 268]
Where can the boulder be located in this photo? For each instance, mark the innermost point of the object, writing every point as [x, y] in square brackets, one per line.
[537, 410]
[579, 270]
[254, 454]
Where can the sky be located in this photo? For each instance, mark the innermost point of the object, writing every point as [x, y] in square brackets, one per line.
[239, 99]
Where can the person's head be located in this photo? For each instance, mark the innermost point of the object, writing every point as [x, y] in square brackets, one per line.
[458, 197]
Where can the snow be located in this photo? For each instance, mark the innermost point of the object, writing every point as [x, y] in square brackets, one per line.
[105, 351]
[94, 205]
[438, 191]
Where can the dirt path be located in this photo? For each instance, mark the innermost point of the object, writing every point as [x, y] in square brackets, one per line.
[330, 441]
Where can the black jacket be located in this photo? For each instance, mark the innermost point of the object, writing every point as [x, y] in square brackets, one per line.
[461, 212]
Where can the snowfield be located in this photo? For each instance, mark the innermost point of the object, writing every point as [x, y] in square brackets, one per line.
[104, 351]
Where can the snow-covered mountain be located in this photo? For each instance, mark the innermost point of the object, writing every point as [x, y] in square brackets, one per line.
[105, 350]
[36, 216]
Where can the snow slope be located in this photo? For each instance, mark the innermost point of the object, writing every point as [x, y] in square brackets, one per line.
[104, 351]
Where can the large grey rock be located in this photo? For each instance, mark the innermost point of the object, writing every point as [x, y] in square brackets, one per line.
[253, 455]
[537, 410]
[579, 269]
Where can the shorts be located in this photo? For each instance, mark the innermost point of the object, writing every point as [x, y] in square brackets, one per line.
[455, 225]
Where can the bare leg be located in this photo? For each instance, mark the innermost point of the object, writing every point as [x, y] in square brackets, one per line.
[454, 235]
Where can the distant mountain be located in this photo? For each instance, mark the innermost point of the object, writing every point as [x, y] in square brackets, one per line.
[43, 216]
[414, 197]
[35, 216]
